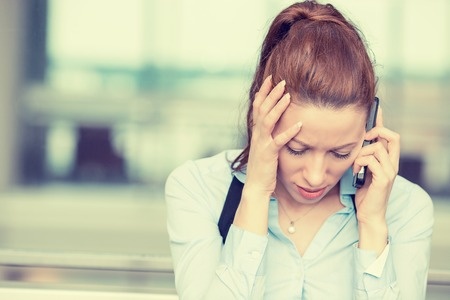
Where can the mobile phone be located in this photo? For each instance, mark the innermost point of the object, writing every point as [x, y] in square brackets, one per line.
[360, 177]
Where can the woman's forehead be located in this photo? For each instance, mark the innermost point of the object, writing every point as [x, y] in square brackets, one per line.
[336, 125]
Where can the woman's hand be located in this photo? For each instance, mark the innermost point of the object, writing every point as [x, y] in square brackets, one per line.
[268, 106]
[382, 160]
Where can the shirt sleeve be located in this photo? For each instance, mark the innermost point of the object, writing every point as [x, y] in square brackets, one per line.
[375, 276]
[400, 272]
[205, 268]
[242, 266]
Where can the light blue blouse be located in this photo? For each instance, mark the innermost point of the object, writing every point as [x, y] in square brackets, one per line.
[251, 266]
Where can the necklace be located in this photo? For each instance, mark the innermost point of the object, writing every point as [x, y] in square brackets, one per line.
[291, 229]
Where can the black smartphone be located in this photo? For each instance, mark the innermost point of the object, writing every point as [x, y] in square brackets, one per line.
[360, 177]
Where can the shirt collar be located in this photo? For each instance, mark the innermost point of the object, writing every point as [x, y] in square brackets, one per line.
[241, 175]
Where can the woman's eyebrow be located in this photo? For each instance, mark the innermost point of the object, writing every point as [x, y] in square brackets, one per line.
[345, 146]
[301, 143]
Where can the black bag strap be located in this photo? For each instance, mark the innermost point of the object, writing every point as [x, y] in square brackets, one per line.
[230, 206]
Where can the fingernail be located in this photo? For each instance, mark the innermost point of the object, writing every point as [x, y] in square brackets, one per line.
[283, 83]
[299, 124]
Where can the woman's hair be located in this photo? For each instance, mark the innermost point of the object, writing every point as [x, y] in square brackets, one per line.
[322, 57]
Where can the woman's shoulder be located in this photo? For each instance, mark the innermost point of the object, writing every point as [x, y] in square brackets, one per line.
[410, 208]
[406, 192]
[208, 177]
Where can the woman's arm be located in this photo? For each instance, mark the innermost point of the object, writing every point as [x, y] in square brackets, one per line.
[268, 106]
[204, 268]
[398, 268]
[412, 243]
[400, 272]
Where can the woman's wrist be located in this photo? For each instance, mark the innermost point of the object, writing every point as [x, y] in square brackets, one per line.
[255, 192]
[252, 213]
[373, 236]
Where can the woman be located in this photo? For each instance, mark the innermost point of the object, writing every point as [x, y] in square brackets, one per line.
[301, 231]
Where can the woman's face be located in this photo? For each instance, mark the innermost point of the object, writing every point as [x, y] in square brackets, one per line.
[313, 162]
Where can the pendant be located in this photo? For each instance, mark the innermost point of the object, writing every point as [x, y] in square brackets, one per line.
[291, 228]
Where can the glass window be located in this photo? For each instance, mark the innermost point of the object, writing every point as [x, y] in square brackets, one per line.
[130, 89]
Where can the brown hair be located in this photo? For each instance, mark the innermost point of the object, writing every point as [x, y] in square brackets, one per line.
[322, 57]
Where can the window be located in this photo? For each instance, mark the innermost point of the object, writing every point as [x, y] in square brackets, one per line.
[123, 91]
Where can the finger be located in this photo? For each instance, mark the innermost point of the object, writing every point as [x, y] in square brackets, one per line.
[264, 90]
[281, 139]
[274, 96]
[382, 156]
[379, 120]
[390, 140]
[382, 133]
[379, 175]
[274, 115]
[388, 159]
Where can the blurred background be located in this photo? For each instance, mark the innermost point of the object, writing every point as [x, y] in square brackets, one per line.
[101, 99]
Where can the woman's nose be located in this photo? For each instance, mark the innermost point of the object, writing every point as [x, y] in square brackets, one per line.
[315, 172]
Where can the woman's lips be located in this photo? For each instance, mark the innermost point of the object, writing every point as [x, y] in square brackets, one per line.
[310, 194]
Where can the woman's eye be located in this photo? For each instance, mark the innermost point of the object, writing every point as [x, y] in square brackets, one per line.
[340, 155]
[295, 152]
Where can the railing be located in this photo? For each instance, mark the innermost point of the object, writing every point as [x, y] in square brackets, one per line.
[439, 277]
[86, 272]
[136, 274]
